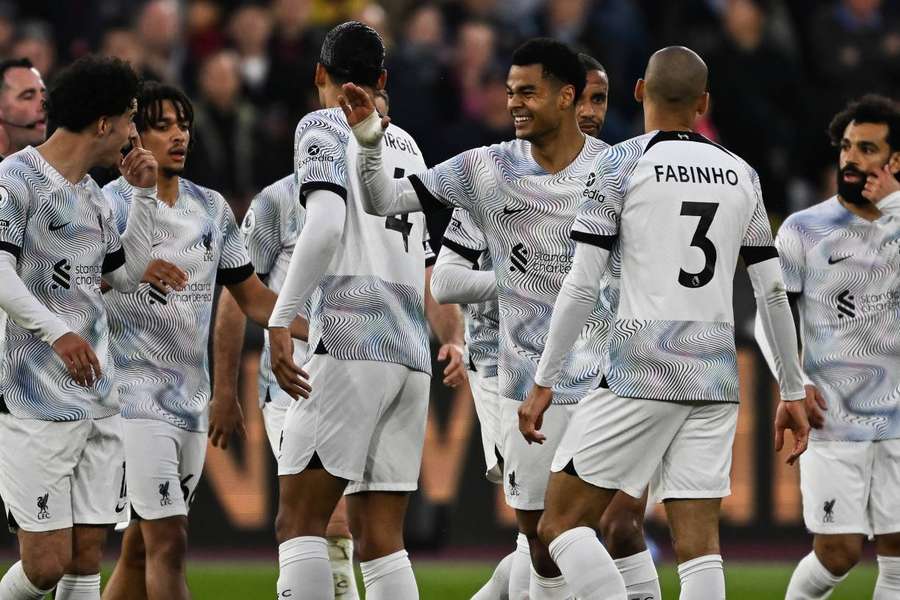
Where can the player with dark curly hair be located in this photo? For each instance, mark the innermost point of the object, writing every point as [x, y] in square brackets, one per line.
[62, 462]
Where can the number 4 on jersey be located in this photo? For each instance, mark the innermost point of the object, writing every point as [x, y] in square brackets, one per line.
[400, 224]
[706, 211]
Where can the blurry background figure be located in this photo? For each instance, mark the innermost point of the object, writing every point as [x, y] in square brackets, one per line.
[250, 30]
[34, 41]
[160, 33]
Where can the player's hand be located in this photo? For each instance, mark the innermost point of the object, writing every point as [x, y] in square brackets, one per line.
[359, 109]
[880, 184]
[531, 413]
[455, 371]
[165, 276]
[79, 358]
[291, 378]
[225, 418]
[139, 167]
[792, 415]
[815, 407]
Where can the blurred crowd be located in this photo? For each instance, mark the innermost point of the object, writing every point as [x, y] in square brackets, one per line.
[778, 69]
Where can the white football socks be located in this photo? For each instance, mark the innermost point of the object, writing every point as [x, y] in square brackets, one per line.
[587, 566]
[304, 571]
[389, 578]
[16, 586]
[497, 587]
[702, 578]
[811, 580]
[340, 554]
[887, 586]
[520, 571]
[639, 573]
[548, 588]
[78, 587]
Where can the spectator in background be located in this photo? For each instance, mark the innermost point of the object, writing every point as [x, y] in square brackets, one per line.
[757, 109]
[203, 30]
[120, 41]
[250, 30]
[227, 146]
[160, 34]
[35, 42]
[492, 126]
[473, 55]
[7, 27]
[294, 52]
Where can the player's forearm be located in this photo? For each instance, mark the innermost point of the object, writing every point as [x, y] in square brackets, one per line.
[316, 246]
[380, 194]
[576, 300]
[255, 300]
[137, 241]
[454, 280]
[445, 320]
[765, 348]
[774, 314]
[228, 341]
[23, 308]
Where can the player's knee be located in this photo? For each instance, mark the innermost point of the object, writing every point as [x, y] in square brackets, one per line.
[169, 550]
[338, 526]
[888, 545]
[691, 547]
[375, 542]
[45, 570]
[838, 555]
[548, 529]
[623, 532]
[290, 524]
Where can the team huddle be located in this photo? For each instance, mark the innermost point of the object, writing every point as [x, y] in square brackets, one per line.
[596, 333]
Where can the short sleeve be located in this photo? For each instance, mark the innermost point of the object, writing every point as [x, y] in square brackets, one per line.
[262, 233]
[757, 244]
[450, 183]
[320, 155]
[234, 265]
[793, 256]
[464, 236]
[14, 205]
[597, 220]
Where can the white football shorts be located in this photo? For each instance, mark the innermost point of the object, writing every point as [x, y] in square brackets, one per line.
[487, 407]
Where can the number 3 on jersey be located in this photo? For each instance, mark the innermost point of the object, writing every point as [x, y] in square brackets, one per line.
[400, 224]
[706, 211]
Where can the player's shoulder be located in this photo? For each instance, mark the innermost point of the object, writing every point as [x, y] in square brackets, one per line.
[277, 193]
[330, 120]
[212, 201]
[595, 146]
[819, 217]
[624, 155]
[118, 191]
[22, 165]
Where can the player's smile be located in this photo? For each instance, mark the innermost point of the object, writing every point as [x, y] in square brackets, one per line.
[521, 120]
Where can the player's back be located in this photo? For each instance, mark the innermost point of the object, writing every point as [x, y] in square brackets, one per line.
[684, 207]
[370, 305]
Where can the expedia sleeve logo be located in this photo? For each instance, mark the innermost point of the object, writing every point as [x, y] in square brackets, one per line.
[316, 153]
[591, 193]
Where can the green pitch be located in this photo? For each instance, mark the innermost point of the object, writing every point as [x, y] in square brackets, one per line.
[455, 581]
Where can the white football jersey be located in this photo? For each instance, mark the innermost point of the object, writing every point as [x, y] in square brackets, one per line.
[526, 215]
[271, 226]
[681, 208]
[846, 271]
[159, 341]
[370, 304]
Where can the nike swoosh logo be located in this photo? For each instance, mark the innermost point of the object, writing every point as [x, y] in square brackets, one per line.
[55, 227]
[512, 211]
[834, 261]
[121, 508]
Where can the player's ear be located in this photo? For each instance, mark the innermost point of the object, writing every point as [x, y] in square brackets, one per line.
[102, 126]
[894, 162]
[567, 96]
[703, 104]
[639, 90]
[382, 80]
[321, 77]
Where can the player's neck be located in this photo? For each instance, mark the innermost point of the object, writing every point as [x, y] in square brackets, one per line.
[69, 153]
[556, 150]
[867, 211]
[330, 94]
[656, 120]
[167, 188]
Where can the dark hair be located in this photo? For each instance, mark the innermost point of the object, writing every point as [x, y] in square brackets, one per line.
[13, 63]
[353, 52]
[589, 63]
[90, 88]
[871, 108]
[557, 60]
[150, 105]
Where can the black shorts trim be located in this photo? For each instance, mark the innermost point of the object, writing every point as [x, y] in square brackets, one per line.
[234, 275]
[311, 186]
[468, 253]
[16, 251]
[429, 202]
[758, 254]
[113, 261]
[601, 241]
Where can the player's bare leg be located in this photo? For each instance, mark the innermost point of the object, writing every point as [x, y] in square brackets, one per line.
[694, 525]
[340, 553]
[622, 530]
[826, 566]
[306, 502]
[888, 584]
[377, 520]
[572, 509]
[81, 580]
[165, 543]
[44, 557]
[128, 579]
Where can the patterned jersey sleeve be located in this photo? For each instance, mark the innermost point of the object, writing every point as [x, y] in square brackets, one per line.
[115, 253]
[118, 203]
[451, 182]
[793, 256]
[320, 154]
[234, 265]
[14, 208]
[757, 244]
[262, 233]
[464, 236]
[597, 220]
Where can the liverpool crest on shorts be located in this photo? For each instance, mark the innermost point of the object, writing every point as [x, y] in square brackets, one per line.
[43, 510]
[164, 499]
